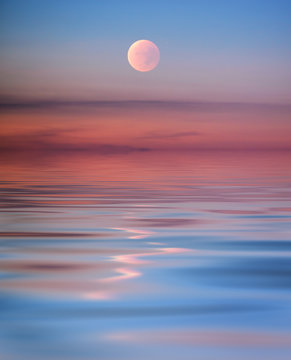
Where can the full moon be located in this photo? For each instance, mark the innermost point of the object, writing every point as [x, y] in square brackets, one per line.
[143, 55]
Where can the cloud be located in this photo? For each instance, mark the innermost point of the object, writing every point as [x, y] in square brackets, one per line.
[156, 135]
[53, 140]
[14, 104]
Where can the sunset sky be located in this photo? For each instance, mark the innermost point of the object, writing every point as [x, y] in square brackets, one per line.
[223, 80]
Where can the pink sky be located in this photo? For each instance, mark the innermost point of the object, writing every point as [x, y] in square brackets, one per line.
[147, 125]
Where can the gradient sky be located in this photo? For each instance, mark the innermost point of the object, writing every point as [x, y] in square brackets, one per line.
[213, 50]
[237, 53]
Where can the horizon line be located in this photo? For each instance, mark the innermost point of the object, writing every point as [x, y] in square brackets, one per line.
[17, 103]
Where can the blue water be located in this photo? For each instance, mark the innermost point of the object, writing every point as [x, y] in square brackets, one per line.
[146, 256]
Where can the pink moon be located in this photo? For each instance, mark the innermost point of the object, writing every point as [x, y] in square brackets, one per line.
[143, 55]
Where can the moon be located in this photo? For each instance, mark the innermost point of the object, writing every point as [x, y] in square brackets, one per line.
[143, 55]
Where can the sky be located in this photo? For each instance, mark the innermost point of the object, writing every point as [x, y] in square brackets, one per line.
[223, 80]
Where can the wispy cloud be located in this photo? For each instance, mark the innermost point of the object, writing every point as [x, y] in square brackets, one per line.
[9, 103]
[53, 140]
[160, 136]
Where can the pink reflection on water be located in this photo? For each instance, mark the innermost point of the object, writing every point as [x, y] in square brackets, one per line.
[125, 274]
[140, 234]
[90, 280]
[134, 259]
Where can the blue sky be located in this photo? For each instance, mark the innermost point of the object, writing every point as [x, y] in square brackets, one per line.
[212, 50]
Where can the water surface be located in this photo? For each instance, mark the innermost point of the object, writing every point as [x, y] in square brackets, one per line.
[145, 256]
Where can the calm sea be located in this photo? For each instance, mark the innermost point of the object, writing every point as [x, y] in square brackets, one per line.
[145, 256]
